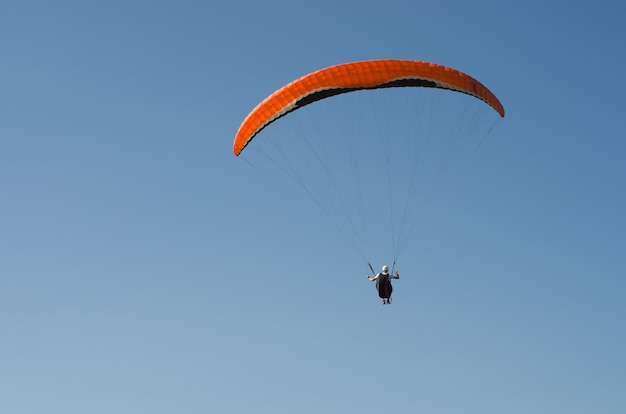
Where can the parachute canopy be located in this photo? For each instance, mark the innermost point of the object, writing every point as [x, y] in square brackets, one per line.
[348, 77]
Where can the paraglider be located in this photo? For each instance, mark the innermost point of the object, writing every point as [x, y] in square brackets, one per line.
[383, 284]
[349, 77]
[334, 167]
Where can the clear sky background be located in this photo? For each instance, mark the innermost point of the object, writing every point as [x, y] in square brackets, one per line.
[146, 269]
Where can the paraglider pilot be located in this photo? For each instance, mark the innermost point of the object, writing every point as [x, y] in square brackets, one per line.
[383, 284]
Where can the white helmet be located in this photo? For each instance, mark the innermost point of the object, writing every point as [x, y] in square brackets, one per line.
[385, 269]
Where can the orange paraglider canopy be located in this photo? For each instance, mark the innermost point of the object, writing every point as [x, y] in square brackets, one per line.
[348, 77]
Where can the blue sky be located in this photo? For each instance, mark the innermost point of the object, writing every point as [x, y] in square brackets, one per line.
[144, 268]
